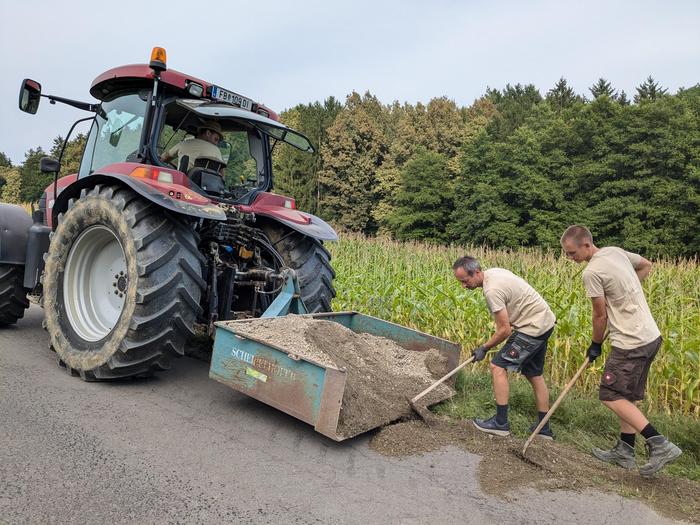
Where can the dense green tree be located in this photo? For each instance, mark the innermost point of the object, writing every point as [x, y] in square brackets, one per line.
[33, 181]
[354, 151]
[424, 200]
[72, 154]
[513, 106]
[602, 88]
[296, 172]
[438, 127]
[11, 190]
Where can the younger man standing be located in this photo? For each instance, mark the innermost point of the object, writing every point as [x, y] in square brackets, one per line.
[525, 322]
[613, 282]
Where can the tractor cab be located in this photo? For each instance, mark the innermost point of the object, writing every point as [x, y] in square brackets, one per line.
[147, 110]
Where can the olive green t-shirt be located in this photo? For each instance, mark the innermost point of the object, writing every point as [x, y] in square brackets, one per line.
[527, 311]
[611, 274]
[194, 149]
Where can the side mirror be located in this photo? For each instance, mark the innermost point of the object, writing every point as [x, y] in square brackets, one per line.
[49, 165]
[115, 137]
[29, 96]
[226, 148]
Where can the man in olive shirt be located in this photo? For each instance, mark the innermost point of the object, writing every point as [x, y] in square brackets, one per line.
[525, 322]
[613, 282]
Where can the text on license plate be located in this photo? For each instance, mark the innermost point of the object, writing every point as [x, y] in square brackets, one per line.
[231, 98]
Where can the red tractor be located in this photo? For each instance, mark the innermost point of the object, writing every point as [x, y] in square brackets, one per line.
[132, 252]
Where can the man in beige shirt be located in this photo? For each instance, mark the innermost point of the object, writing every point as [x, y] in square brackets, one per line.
[204, 145]
[525, 322]
[613, 282]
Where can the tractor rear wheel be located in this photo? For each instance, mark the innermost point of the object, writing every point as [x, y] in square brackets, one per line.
[13, 296]
[312, 263]
[122, 285]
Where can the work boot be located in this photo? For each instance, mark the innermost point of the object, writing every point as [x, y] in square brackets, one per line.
[661, 452]
[545, 432]
[621, 454]
[491, 426]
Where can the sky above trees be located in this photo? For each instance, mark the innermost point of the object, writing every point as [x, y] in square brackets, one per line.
[285, 53]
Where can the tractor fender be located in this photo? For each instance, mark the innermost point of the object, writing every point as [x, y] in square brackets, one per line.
[281, 209]
[14, 231]
[316, 228]
[146, 190]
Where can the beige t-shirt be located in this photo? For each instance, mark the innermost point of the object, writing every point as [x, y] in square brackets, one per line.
[610, 274]
[527, 311]
[194, 148]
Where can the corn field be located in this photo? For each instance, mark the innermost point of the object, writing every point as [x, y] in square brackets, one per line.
[412, 284]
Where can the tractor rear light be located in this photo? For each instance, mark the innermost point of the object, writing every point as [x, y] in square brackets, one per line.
[158, 59]
[289, 203]
[164, 177]
[141, 172]
[194, 89]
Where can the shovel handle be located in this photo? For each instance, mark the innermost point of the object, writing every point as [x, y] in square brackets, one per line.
[568, 387]
[442, 379]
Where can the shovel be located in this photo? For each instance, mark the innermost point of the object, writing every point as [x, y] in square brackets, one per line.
[568, 387]
[423, 411]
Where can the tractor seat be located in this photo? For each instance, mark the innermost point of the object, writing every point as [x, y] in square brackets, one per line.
[209, 180]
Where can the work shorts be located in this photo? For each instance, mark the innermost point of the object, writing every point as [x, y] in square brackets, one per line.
[626, 371]
[523, 353]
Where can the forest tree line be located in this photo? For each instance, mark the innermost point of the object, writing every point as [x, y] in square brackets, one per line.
[512, 169]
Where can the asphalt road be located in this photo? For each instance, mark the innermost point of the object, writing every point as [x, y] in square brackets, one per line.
[181, 448]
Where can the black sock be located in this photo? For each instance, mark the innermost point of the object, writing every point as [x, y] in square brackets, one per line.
[501, 414]
[649, 432]
[628, 438]
[540, 417]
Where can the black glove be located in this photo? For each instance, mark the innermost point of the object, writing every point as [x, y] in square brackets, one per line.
[593, 351]
[479, 353]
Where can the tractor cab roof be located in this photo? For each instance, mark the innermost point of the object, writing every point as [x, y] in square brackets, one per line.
[141, 76]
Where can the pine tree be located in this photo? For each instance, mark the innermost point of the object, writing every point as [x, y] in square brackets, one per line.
[562, 96]
[602, 88]
[622, 99]
[649, 90]
[5, 161]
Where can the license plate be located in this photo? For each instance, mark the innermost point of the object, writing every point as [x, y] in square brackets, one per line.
[231, 98]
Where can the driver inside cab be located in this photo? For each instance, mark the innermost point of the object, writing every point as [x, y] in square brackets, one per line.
[204, 145]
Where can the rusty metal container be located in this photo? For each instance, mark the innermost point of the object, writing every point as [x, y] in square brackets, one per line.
[301, 387]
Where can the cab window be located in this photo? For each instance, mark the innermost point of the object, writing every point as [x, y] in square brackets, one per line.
[115, 135]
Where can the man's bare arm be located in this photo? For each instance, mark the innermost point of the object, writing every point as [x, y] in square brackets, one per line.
[643, 269]
[503, 329]
[600, 319]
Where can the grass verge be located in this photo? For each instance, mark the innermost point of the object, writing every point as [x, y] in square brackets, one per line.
[581, 420]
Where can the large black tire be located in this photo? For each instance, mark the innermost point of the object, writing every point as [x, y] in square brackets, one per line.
[311, 261]
[156, 279]
[13, 296]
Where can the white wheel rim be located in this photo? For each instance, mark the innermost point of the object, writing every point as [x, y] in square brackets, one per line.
[95, 282]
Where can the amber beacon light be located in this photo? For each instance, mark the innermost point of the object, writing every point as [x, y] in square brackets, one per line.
[158, 59]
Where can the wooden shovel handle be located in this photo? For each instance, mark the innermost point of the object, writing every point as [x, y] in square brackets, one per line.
[442, 379]
[568, 387]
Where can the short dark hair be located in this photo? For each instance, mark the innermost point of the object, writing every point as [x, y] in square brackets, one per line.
[468, 264]
[579, 234]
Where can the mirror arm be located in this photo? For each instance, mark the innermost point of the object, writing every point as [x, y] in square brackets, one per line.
[86, 106]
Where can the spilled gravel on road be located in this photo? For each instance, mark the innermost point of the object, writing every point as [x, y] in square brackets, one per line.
[547, 466]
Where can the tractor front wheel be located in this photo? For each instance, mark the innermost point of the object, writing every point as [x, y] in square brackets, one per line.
[122, 285]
